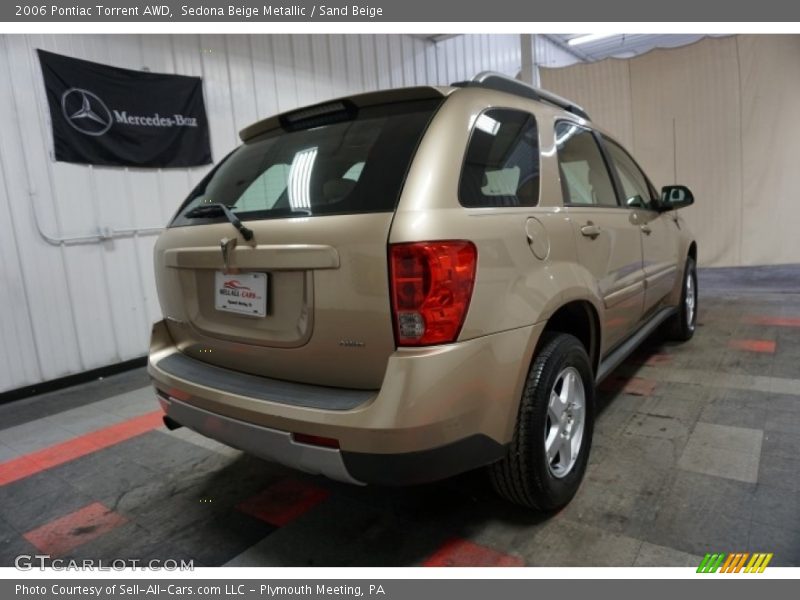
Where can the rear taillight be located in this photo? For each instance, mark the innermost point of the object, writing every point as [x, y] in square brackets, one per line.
[431, 289]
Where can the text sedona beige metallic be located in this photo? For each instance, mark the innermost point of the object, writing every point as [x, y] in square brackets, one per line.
[403, 285]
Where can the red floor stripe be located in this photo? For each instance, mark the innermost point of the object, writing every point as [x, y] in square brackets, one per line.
[463, 553]
[658, 360]
[58, 454]
[651, 360]
[70, 531]
[765, 346]
[772, 321]
[284, 501]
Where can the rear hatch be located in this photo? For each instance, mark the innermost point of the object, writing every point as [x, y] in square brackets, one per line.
[306, 298]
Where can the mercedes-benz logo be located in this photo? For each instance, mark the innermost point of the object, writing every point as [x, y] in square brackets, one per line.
[85, 112]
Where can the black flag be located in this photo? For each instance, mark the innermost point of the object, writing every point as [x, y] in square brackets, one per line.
[104, 115]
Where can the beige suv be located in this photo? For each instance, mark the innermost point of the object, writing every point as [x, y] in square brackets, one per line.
[399, 286]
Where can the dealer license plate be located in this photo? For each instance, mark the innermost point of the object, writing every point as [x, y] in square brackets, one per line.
[242, 293]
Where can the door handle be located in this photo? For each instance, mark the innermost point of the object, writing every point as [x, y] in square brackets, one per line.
[646, 229]
[590, 230]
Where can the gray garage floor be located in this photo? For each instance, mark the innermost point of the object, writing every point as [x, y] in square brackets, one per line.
[697, 450]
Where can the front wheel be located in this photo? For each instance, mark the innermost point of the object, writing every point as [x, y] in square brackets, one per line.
[681, 326]
[547, 457]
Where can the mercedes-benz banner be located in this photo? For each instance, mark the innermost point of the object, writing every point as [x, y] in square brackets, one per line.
[104, 115]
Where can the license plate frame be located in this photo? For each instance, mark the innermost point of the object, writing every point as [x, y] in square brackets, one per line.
[243, 294]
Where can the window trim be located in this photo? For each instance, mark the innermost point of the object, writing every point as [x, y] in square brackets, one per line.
[612, 175]
[466, 150]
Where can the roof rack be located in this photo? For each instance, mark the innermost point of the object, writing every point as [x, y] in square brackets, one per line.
[503, 83]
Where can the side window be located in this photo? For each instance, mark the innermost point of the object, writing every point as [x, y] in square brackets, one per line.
[584, 176]
[635, 187]
[501, 167]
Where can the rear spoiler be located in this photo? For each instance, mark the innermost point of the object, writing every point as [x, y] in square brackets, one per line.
[503, 83]
[333, 110]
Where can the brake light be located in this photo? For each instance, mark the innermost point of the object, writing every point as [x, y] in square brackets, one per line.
[431, 286]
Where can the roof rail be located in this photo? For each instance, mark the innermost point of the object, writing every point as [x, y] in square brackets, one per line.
[503, 83]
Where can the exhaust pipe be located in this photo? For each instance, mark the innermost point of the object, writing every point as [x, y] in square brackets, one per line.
[171, 423]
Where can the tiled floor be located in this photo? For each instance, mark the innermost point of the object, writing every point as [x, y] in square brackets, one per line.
[697, 449]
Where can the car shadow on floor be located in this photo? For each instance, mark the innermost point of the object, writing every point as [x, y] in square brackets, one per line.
[365, 526]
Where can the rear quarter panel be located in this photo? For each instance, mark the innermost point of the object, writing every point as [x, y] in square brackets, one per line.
[513, 288]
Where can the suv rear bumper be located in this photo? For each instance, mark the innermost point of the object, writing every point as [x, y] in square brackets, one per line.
[350, 467]
[422, 425]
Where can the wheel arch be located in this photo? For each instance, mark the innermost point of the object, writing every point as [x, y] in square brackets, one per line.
[580, 318]
[674, 297]
[692, 251]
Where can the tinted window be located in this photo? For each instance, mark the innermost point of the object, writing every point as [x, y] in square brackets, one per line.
[353, 166]
[501, 167]
[584, 175]
[635, 186]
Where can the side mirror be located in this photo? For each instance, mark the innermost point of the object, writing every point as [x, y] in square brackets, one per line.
[675, 196]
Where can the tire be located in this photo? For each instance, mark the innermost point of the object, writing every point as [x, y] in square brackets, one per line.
[682, 325]
[525, 475]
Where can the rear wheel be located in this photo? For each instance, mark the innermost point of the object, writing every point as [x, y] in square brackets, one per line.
[681, 326]
[547, 457]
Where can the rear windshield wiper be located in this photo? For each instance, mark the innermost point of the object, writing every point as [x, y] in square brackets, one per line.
[218, 209]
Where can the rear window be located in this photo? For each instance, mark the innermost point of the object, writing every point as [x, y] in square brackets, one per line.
[352, 166]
